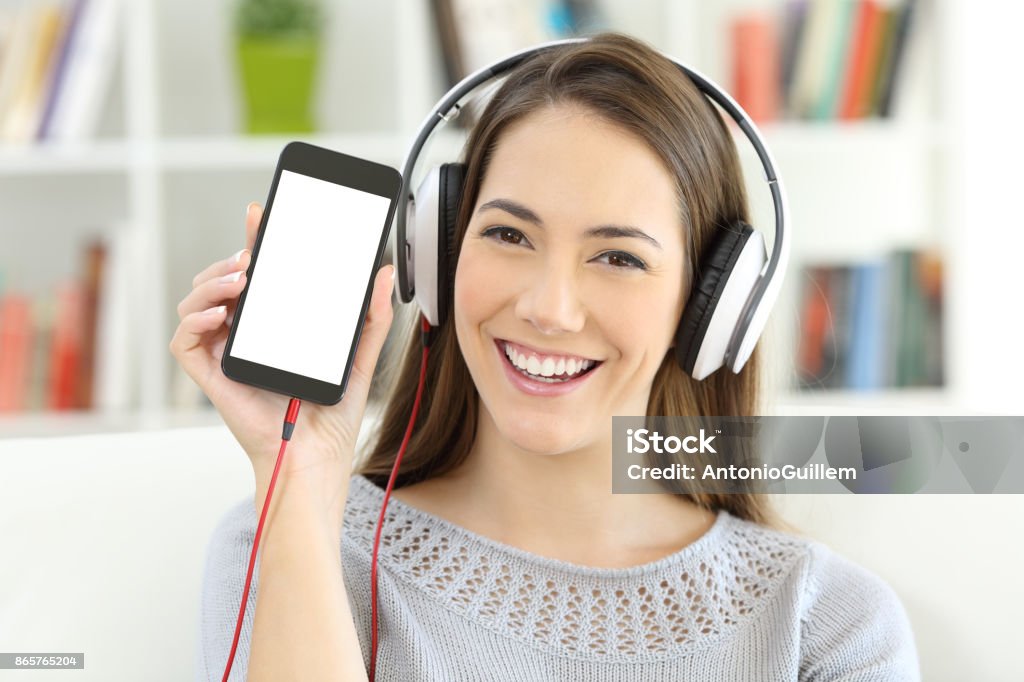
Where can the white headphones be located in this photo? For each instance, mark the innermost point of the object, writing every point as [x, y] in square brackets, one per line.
[730, 301]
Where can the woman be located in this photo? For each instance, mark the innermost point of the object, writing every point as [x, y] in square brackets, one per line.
[505, 555]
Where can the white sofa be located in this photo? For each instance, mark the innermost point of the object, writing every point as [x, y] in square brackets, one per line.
[103, 537]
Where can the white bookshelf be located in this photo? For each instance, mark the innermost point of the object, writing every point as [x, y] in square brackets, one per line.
[170, 162]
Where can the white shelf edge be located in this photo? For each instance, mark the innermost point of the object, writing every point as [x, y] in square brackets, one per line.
[866, 137]
[82, 422]
[225, 152]
[229, 152]
[911, 400]
[65, 158]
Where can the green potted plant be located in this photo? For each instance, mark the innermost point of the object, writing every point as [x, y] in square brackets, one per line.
[278, 45]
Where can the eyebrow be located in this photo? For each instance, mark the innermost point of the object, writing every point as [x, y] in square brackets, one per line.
[601, 231]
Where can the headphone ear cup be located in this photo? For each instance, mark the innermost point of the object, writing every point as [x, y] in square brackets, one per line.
[452, 177]
[717, 265]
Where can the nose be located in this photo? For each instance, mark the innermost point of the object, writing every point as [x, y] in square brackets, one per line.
[552, 303]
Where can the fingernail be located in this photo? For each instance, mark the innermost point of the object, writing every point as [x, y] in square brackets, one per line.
[248, 208]
[231, 277]
[216, 310]
[238, 255]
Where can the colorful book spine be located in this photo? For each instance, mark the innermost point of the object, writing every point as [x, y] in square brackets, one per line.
[95, 255]
[835, 58]
[865, 370]
[832, 59]
[793, 20]
[756, 65]
[863, 55]
[815, 323]
[891, 72]
[873, 325]
[16, 335]
[58, 80]
[66, 347]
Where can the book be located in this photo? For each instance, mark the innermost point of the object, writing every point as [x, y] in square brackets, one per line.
[43, 312]
[860, 66]
[835, 60]
[896, 291]
[447, 33]
[890, 73]
[837, 340]
[566, 18]
[793, 20]
[83, 85]
[66, 346]
[812, 57]
[887, 27]
[21, 119]
[815, 320]
[912, 354]
[482, 31]
[59, 69]
[92, 276]
[755, 58]
[866, 366]
[474, 33]
[930, 281]
[16, 335]
[884, 323]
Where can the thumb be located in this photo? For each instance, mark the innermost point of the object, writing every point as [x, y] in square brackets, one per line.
[375, 331]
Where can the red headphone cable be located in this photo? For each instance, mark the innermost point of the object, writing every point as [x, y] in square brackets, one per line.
[291, 415]
[427, 337]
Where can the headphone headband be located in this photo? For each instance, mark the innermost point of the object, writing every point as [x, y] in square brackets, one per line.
[769, 281]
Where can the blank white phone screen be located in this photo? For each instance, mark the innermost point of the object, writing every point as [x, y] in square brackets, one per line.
[307, 286]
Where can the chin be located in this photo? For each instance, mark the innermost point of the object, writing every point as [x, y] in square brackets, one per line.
[542, 434]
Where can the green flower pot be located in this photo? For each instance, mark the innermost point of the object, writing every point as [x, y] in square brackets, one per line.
[278, 75]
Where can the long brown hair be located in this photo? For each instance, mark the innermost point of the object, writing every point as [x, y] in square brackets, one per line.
[632, 85]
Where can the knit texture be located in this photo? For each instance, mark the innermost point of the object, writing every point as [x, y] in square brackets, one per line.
[743, 602]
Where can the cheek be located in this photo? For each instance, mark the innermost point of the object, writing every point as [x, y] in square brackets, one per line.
[641, 318]
[482, 285]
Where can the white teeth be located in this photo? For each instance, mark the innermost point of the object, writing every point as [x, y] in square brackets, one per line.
[533, 365]
[548, 367]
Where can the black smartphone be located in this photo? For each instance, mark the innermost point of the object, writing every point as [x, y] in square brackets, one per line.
[300, 315]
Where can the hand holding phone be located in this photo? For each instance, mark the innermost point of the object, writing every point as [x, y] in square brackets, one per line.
[321, 450]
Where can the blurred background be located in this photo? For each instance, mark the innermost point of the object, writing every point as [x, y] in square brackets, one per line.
[133, 133]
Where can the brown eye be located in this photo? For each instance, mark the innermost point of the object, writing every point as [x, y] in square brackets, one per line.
[621, 259]
[508, 235]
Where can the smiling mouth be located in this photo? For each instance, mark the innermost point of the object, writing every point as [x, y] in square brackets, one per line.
[550, 370]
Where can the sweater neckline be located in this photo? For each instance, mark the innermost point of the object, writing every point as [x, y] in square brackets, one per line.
[691, 553]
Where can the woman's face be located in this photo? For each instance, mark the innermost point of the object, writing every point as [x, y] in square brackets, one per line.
[572, 260]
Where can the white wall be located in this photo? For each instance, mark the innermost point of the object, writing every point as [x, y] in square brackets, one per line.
[994, 243]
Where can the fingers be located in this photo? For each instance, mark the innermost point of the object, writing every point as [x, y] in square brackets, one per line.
[253, 216]
[218, 272]
[214, 291]
[236, 261]
[378, 322]
[185, 345]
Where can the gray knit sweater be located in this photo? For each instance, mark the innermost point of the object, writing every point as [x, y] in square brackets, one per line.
[741, 603]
